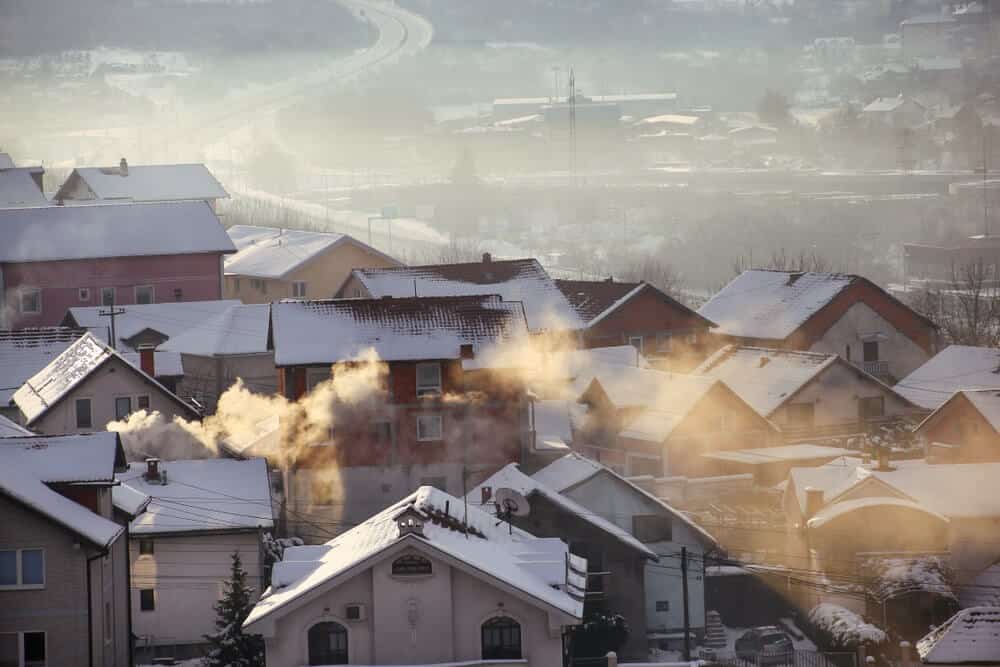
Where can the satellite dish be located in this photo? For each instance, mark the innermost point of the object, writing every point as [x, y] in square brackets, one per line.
[511, 503]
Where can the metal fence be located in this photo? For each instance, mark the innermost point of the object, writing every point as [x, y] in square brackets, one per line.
[797, 658]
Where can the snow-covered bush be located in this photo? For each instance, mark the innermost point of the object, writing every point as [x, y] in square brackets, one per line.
[840, 628]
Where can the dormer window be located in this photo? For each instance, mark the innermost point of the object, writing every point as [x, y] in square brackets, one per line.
[411, 566]
[410, 522]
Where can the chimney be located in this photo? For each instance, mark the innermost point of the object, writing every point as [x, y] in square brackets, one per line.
[486, 493]
[883, 460]
[466, 351]
[814, 501]
[123, 167]
[487, 258]
[147, 360]
[764, 361]
[152, 470]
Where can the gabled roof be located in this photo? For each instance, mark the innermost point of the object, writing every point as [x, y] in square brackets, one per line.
[523, 280]
[270, 252]
[335, 330]
[763, 377]
[52, 233]
[970, 636]
[18, 188]
[573, 469]
[9, 429]
[772, 304]
[24, 352]
[954, 368]
[985, 401]
[77, 362]
[147, 183]
[595, 300]
[202, 328]
[631, 387]
[511, 477]
[884, 104]
[165, 363]
[202, 495]
[535, 568]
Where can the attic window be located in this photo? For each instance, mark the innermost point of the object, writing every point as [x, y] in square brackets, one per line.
[410, 566]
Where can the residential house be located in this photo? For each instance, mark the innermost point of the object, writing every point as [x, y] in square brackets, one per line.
[63, 558]
[199, 514]
[272, 264]
[640, 315]
[88, 386]
[663, 529]
[142, 183]
[770, 465]
[895, 113]
[25, 352]
[218, 342]
[517, 280]
[965, 428]
[427, 580]
[21, 186]
[58, 257]
[823, 312]
[953, 369]
[424, 420]
[648, 422]
[968, 637]
[927, 36]
[806, 394]
[616, 560]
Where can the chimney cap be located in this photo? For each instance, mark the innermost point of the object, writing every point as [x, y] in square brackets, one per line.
[487, 258]
[123, 167]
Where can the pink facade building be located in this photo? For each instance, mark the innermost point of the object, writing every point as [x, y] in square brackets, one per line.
[57, 257]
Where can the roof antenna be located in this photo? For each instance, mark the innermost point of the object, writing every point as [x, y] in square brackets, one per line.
[414, 287]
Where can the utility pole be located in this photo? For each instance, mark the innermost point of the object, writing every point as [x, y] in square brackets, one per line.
[572, 125]
[114, 312]
[687, 616]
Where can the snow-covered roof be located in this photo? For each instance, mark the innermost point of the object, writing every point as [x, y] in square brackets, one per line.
[202, 495]
[114, 230]
[771, 304]
[532, 566]
[926, 19]
[18, 188]
[553, 425]
[780, 454]
[270, 252]
[24, 352]
[884, 104]
[628, 386]
[77, 362]
[594, 300]
[836, 510]
[335, 330]
[10, 429]
[6, 162]
[148, 183]
[954, 368]
[129, 500]
[971, 635]
[763, 377]
[202, 328]
[29, 464]
[520, 280]
[165, 363]
[511, 477]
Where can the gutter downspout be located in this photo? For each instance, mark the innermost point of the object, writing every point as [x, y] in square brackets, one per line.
[3, 301]
[128, 589]
[90, 607]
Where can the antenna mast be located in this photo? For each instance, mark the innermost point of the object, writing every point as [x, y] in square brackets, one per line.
[572, 125]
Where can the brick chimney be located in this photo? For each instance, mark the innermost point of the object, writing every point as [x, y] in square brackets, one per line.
[147, 360]
[466, 351]
[883, 460]
[487, 258]
[123, 167]
[814, 501]
[152, 470]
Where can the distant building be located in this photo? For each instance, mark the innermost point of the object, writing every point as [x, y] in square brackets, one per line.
[58, 257]
[896, 113]
[965, 428]
[142, 183]
[637, 105]
[272, 264]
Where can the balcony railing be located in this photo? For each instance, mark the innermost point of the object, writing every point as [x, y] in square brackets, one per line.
[879, 369]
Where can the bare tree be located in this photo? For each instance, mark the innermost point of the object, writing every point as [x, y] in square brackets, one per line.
[782, 260]
[967, 308]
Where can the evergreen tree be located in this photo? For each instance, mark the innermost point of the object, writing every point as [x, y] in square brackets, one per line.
[230, 647]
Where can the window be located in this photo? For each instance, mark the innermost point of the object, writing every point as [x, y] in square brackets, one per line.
[107, 296]
[84, 417]
[22, 649]
[236, 285]
[356, 293]
[83, 294]
[178, 294]
[871, 407]
[259, 285]
[501, 639]
[315, 376]
[328, 644]
[142, 402]
[382, 431]
[801, 414]
[636, 342]
[22, 568]
[144, 294]
[147, 599]
[847, 352]
[663, 342]
[30, 300]
[428, 379]
[692, 338]
[411, 565]
[123, 407]
[146, 548]
[652, 528]
[662, 605]
[299, 289]
[429, 428]
[870, 350]
[642, 466]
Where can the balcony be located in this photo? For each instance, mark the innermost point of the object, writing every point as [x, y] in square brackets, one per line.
[879, 369]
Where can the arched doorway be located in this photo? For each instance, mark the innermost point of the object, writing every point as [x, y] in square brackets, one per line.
[501, 638]
[328, 644]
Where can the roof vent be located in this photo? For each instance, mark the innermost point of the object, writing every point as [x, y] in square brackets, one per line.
[152, 470]
[123, 167]
[487, 258]
[793, 278]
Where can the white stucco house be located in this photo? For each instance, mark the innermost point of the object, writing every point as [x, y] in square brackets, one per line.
[199, 513]
[429, 580]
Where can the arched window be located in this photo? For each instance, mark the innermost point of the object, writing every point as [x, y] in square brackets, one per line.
[501, 639]
[328, 644]
[411, 565]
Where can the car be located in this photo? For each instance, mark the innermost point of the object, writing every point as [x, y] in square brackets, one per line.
[766, 645]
